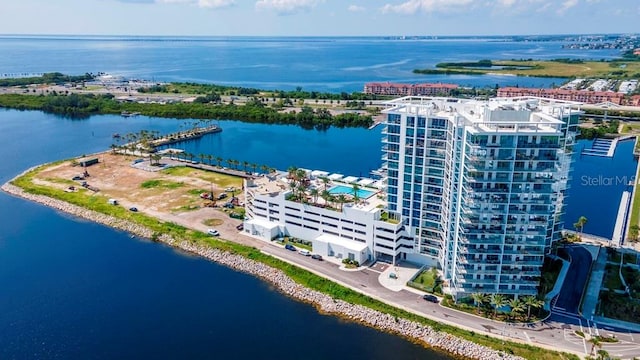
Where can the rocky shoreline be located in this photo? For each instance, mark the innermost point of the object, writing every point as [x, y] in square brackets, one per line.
[409, 329]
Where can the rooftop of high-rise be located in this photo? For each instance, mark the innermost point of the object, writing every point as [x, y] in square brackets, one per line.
[496, 114]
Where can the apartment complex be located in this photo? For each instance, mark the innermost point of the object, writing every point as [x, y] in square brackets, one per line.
[475, 188]
[399, 89]
[480, 185]
[584, 96]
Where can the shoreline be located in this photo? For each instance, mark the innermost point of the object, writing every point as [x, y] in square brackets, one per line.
[411, 330]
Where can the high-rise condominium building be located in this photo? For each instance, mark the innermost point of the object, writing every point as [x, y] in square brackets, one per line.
[480, 185]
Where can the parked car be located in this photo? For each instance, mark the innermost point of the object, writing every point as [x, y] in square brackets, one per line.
[304, 252]
[316, 257]
[77, 177]
[240, 227]
[222, 196]
[133, 208]
[290, 247]
[213, 232]
[229, 205]
[431, 298]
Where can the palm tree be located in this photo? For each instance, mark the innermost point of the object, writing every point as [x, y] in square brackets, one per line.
[301, 192]
[595, 343]
[209, 158]
[580, 224]
[202, 157]
[253, 166]
[235, 164]
[230, 163]
[292, 172]
[341, 200]
[264, 168]
[325, 181]
[314, 192]
[532, 302]
[603, 355]
[479, 299]
[356, 187]
[245, 164]
[516, 307]
[326, 195]
[498, 301]
[219, 160]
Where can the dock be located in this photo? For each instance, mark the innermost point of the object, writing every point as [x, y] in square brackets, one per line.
[605, 147]
[185, 135]
[619, 230]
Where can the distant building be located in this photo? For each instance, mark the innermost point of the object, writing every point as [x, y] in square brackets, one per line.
[399, 89]
[584, 96]
[635, 100]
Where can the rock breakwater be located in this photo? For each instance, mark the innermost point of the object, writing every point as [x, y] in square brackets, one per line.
[409, 329]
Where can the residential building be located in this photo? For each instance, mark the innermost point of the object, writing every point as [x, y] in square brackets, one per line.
[474, 188]
[400, 89]
[584, 96]
[480, 185]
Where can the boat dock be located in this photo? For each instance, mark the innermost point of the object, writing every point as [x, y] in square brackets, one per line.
[605, 147]
[185, 135]
[619, 230]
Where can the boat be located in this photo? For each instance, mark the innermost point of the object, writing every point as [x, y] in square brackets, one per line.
[116, 136]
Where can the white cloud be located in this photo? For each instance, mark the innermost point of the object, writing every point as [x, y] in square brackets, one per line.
[216, 4]
[211, 4]
[566, 5]
[356, 8]
[414, 6]
[286, 6]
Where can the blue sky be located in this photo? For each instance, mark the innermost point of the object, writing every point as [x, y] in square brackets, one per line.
[318, 17]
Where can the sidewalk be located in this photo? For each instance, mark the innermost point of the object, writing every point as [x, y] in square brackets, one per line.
[595, 283]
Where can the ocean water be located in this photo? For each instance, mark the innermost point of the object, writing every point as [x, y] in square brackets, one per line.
[313, 63]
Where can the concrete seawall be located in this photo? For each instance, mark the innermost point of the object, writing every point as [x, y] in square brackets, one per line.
[409, 329]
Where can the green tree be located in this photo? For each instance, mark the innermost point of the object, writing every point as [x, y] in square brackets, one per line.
[356, 188]
[314, 192]
[532, 302]
[517, 307]
[479, 299]
[579, 225]
[219, 160]
[341, 200]
[498, 301]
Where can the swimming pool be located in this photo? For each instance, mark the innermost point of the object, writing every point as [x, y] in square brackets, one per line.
[348, 190]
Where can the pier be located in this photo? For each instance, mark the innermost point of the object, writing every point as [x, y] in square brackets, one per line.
[619, 230]
[192, 134]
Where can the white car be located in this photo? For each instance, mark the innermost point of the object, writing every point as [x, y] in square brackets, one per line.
[213, 232]
[304, 252]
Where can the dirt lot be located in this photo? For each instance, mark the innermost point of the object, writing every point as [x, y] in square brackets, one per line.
[172, 194]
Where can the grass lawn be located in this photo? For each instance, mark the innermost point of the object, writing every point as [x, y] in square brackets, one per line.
[612, 277]
[427, 280]
[619, 306]
[586, 69]
[220, 180]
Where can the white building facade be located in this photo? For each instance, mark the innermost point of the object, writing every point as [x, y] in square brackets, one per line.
[480, 185]
[349, 231]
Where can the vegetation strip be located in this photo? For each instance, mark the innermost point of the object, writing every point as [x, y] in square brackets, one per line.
[85, 105]
[303, 285]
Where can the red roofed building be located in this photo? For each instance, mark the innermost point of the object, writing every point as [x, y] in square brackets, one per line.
[588, 97]
[635, 100]
[399, 89]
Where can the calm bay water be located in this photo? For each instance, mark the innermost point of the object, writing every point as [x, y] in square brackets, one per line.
[314, 63]
[71, 289]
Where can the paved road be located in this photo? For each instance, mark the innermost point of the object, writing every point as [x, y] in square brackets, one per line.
[574, 284]
[557, 332]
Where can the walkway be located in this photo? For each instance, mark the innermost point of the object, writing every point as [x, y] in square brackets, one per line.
[595, 283]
